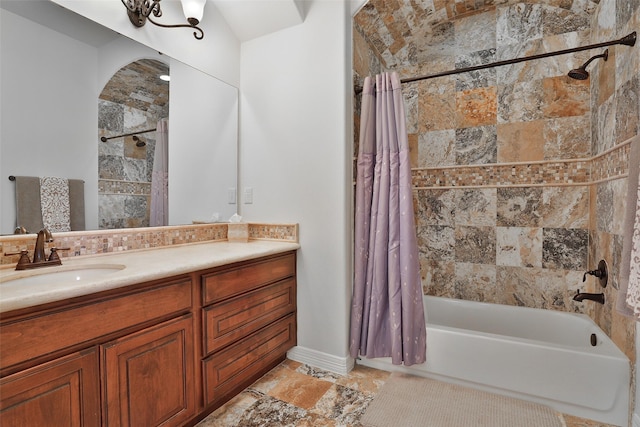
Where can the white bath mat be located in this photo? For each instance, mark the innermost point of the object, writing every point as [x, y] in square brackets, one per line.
[410, 401]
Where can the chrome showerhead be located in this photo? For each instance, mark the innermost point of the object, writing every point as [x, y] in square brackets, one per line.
[582, 73]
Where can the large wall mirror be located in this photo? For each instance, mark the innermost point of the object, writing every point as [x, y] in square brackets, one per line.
[55, 64]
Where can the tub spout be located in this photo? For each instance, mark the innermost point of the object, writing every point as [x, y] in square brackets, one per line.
[581, 296]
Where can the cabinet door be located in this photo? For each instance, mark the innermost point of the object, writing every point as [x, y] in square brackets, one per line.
[63, 392]
[149, 376]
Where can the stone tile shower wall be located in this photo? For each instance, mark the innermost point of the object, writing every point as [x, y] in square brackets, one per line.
[507, 176]
[615, 116]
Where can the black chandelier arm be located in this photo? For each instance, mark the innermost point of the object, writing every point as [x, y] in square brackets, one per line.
[195, 27]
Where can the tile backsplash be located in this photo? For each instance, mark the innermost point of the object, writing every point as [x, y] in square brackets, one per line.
[94, 242]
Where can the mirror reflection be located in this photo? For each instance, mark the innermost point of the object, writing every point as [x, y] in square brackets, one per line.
[55, 66]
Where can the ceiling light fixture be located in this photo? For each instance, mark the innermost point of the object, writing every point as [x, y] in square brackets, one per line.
[141, 10]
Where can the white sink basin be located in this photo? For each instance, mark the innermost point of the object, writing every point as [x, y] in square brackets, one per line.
[61, 274]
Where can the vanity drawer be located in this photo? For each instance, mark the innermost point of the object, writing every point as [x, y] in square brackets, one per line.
[236, 367]
[238, 317]
[48, 332]
[246, 277]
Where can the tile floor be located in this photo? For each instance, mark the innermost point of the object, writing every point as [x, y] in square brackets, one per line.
[297, 395]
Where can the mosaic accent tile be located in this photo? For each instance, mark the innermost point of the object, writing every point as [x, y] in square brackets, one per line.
[476, 107]
[123, 187]
[565, 207]
[520, 174]
[476, 207]
[520, 141]
[564, 248]
[476, 145]
[437, 148]
[260, 231]
[105, 241]
[475, 245]
[519, 207]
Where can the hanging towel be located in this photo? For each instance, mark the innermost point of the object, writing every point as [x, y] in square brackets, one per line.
[628, 301]
[76, 203]
[54, 202]
[28, 212]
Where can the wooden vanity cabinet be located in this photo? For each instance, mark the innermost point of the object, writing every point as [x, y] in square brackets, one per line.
[63, 392]
[163, 353]
[249, 324]
[100, 359]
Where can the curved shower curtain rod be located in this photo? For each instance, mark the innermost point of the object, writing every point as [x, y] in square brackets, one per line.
[628, 40]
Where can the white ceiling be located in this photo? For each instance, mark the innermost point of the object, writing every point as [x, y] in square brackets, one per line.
[254, 18]
[248, 19]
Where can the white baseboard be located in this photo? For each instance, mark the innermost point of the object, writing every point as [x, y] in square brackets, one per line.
[320, 360]
[636, 420]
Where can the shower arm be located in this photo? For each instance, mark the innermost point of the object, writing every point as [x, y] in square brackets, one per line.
[628, 40]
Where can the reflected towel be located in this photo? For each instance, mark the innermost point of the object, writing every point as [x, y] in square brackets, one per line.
[76, 203]
[28, 212]
[54, 202]
[628, 301]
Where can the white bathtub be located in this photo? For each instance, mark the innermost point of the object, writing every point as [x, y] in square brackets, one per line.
[538, 355]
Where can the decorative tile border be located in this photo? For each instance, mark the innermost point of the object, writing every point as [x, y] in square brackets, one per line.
[107, 186]
[611, 164]
[286, 232]
[107, 241]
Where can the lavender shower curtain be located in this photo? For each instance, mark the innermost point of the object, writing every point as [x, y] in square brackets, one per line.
[387, 314]
[159, 212]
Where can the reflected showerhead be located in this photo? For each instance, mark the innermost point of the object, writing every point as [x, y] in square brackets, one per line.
[582, 73]
[139, 142]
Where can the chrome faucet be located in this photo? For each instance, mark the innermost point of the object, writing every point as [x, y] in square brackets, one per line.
[44, 235]
[581, 296]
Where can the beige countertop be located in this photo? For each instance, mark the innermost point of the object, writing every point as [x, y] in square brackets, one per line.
[131, 267]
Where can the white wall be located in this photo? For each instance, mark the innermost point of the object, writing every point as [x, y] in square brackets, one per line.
[295, 151]
[203, 135]
[41, 142]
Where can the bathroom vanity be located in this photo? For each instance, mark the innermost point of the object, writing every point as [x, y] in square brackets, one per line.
[164, 351]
